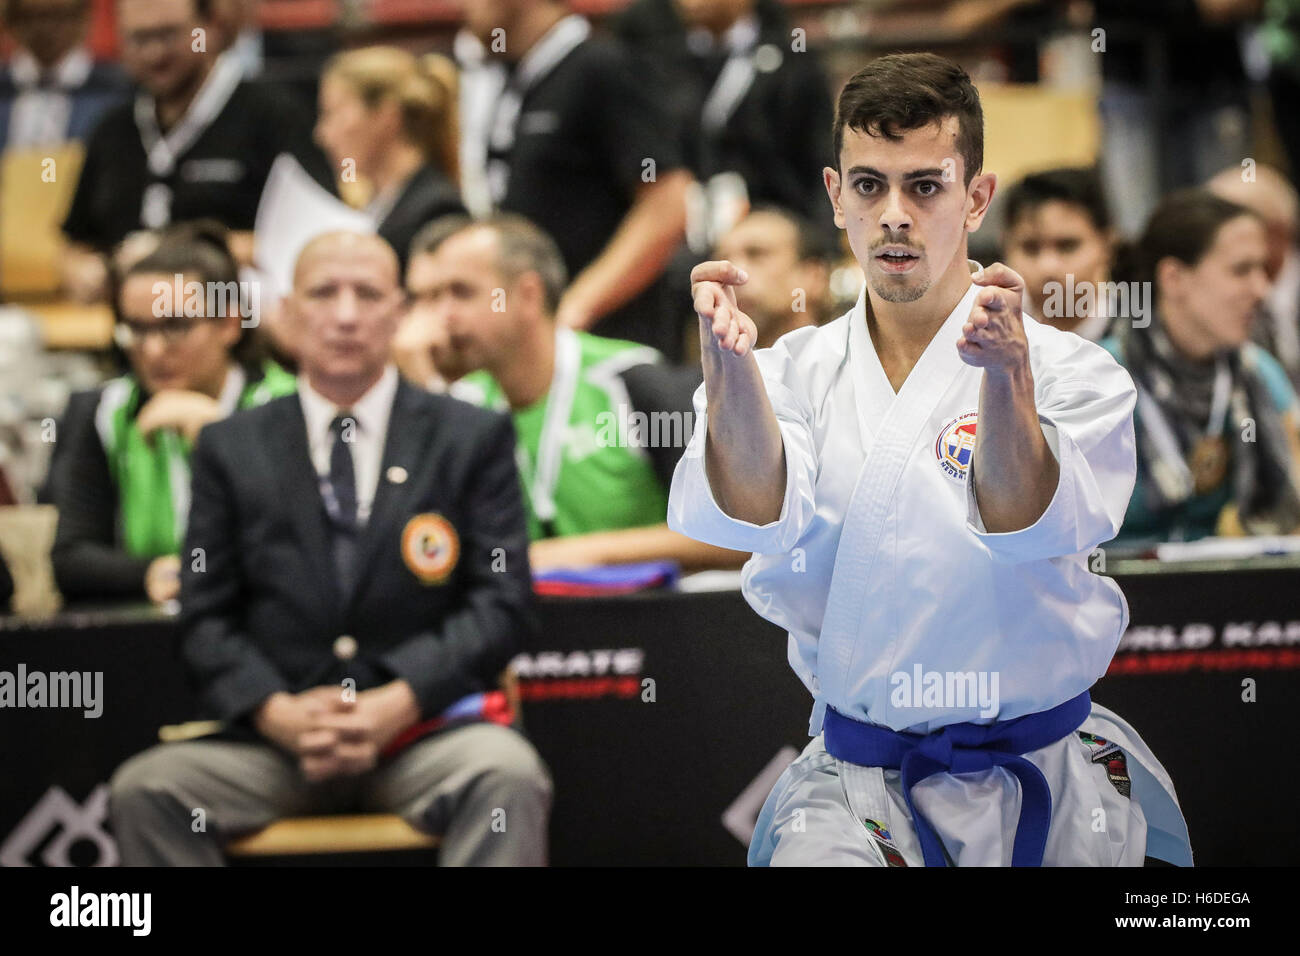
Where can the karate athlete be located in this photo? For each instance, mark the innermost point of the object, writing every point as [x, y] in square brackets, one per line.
[921, 482]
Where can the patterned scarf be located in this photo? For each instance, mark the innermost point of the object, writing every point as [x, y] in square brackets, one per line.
[1265, 487]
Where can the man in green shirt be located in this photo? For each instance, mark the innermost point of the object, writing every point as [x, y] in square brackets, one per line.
[600, 422]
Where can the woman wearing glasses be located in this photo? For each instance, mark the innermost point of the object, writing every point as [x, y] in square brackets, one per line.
[120, 479]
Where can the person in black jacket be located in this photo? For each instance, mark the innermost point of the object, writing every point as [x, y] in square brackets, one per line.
[745, 94]
[385, 116]
[362, 581]
[119, 474]
[197, 142]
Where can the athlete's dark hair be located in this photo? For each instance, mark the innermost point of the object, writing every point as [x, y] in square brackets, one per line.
[1077, 185]
[906, 91]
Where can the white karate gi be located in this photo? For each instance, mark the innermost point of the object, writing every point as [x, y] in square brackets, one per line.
[879, 565]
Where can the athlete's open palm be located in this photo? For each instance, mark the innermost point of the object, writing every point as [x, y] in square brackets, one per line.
[722, 324]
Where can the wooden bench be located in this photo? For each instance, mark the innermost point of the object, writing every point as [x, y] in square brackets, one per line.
[360, 833]
[351, 833]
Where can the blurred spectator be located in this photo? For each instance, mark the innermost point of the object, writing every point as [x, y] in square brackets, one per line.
[1281, 39]
[120, 476]
[52, 90]
[788, 265]
[1268, 194]
[1058, 237]
[600, 422]
[366, 584]
[745, 100]
[1175, 98]
[559, 127]
[197, 142]
[391, 116]
[1216, 419]
[240, 33]
[35, 383]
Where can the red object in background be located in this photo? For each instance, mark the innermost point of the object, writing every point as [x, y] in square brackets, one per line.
[103, 30]
[102, 37]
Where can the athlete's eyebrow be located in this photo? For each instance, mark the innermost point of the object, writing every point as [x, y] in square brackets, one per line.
[914, 174]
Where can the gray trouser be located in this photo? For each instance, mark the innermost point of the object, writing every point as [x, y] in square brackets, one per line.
[481, 787]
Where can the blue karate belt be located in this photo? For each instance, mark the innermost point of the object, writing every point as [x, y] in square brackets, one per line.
[965, 748]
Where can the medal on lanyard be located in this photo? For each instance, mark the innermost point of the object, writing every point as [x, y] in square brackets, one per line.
[1208, 461]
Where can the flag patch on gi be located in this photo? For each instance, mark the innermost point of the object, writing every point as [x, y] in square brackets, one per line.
[1109, 754]
[956, 445]
[886, 843]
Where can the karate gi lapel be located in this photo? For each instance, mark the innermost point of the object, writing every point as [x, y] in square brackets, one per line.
[888, 444]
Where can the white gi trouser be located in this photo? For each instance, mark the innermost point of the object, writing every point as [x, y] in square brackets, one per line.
[818, 810]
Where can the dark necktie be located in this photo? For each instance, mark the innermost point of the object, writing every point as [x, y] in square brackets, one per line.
[341, 498]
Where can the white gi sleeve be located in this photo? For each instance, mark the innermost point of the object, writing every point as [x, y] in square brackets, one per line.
[692, 509]
[1085, 408]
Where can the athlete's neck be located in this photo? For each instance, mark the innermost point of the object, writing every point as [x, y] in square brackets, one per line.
[173, 106]
[525, 375]
[901, 331]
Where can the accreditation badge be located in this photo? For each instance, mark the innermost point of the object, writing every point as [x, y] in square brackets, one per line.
[430, 547]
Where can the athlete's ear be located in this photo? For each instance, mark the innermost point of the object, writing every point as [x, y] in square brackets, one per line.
[980, 195]
[832, 180]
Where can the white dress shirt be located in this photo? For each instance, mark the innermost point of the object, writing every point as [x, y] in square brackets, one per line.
[371, 413]
[39, 116]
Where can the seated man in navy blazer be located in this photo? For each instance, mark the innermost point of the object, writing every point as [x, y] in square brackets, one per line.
[355, 580]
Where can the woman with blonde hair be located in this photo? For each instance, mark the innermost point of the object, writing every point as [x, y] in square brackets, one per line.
[389, 117]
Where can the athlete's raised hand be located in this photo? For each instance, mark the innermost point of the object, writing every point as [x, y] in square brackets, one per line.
[722, 324]
[994, 336]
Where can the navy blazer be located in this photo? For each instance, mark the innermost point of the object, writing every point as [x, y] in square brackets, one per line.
[262, 609]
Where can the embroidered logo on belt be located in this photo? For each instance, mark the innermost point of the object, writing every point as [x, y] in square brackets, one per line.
[430, 547]
[1113, 758]
[885, 842]
[956, 446]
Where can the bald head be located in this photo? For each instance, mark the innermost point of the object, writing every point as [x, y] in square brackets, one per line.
[1270, 196]
[346, 304]
[366, 247]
